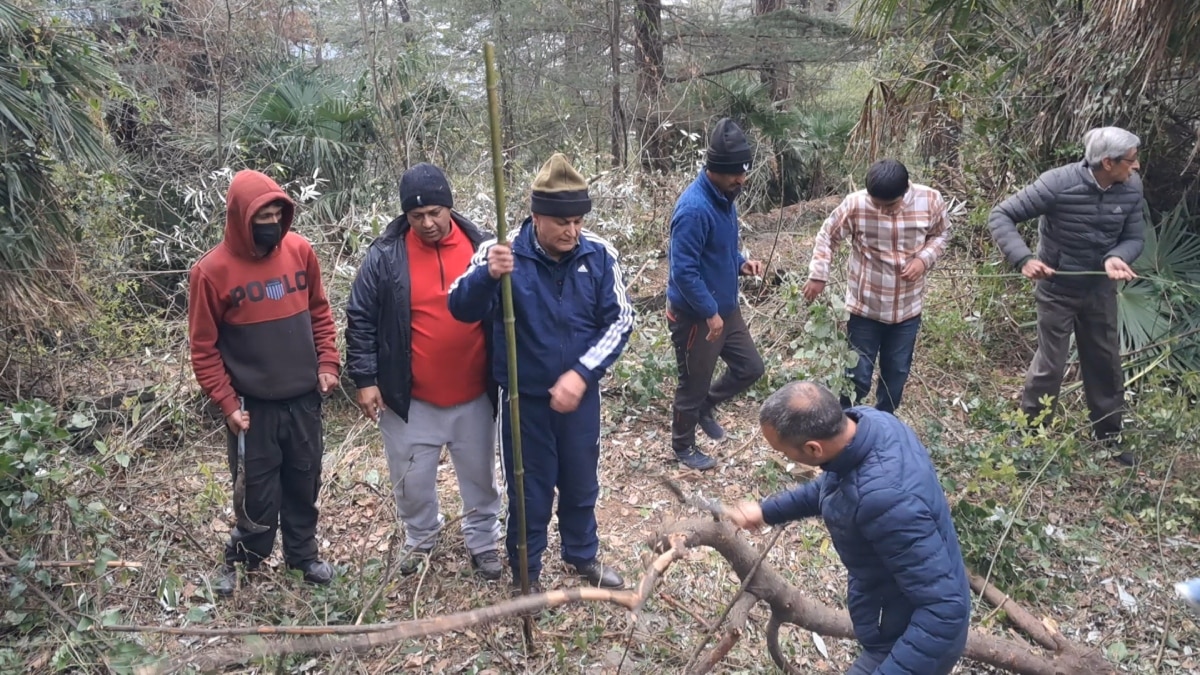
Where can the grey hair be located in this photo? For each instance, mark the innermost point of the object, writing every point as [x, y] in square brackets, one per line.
[803, 411]
[1107, 143]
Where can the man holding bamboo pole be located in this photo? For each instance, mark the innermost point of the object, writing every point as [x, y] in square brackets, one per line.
[572, 320]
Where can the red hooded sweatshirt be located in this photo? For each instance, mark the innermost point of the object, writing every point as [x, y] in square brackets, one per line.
[259, 326]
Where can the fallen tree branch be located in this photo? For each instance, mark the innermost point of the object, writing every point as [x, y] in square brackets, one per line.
[355, 638]
[1020, 617]
[789, 605]
[741, 593]
[739, 614]
[72, 563]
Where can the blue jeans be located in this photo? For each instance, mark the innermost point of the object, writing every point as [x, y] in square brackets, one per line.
[893, 344]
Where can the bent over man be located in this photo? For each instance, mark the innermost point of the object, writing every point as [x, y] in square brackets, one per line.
[423, 375]
[261, 331]
[878, 493]
[1090, 221]
[573, 319]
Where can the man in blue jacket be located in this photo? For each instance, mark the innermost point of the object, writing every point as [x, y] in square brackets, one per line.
[573, 319]
[879, 495]
[702, 295]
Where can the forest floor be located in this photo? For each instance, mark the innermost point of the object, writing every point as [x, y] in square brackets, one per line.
[1090, 547]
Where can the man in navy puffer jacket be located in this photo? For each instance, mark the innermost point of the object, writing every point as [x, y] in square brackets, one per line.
[572, 320]
[879, 495]
[702, 295]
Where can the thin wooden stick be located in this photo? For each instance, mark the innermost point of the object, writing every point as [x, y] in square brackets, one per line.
[73, 563]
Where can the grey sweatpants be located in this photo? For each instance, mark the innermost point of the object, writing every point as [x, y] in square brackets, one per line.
[413, 449]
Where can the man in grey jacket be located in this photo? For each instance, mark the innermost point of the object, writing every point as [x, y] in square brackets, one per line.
[1090, 220]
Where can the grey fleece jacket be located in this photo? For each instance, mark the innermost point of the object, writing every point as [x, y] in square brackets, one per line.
[1080, 225]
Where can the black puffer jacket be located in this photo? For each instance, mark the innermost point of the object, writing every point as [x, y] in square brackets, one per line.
[1080, 225]
[379, 318]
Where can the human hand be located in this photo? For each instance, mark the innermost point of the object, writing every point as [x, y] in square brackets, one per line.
[752, 268]
[327, 382]
[746, 515]
[370, 402]
[812, 288]
[913, 270]
[567, 392]
[1119, 269]
[499, 260]
[716, 326]
[1036, 269]
[238, 420]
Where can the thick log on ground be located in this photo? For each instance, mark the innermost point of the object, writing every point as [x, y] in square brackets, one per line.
[1057, 656]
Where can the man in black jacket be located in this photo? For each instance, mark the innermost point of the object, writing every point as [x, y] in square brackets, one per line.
[1090, 221]
[424, 376]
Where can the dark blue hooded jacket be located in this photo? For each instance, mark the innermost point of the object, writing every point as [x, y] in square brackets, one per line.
[705, 259]
[889, 521]
[571, 314]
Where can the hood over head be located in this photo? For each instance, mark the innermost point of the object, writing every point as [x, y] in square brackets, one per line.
[249, 192]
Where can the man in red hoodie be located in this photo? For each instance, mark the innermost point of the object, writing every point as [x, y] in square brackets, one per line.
[263, 348]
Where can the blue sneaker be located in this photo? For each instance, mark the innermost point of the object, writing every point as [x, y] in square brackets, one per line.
[692, 458]
[1189, 592]
[710, 426]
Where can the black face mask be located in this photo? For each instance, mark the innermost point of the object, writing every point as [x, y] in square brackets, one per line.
[267, 236]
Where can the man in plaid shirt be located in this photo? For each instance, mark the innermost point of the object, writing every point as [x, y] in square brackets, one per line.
[897, 230]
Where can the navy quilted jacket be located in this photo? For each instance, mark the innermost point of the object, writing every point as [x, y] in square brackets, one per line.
[889, 521]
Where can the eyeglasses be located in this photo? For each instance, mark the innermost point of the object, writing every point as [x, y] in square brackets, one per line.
[1127, 159]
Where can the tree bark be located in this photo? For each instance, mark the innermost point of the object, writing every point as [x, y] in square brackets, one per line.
[789, 605]
[648, 50]
[618, 117]
[775, 74]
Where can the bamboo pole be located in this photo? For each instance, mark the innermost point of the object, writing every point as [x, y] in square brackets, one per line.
[510, 326]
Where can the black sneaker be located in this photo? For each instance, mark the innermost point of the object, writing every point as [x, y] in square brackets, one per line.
[710, 427]
[1127, 458]
[487, 564]
[692, 458]
[535, 586]
[413, 558]
[225, 582]
[317, 572]
[1112, 446]
[599, 574]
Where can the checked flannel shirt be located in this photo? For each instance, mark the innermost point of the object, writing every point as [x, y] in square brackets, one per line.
[883, 241]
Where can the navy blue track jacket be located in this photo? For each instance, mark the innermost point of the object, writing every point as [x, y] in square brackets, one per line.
[571, 314]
